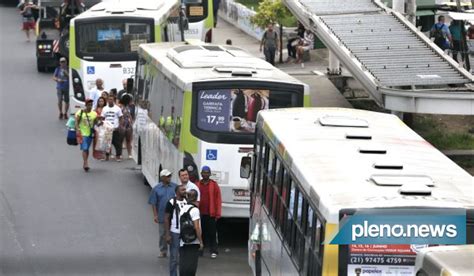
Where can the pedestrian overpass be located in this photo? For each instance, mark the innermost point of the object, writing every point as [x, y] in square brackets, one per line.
[398, 65]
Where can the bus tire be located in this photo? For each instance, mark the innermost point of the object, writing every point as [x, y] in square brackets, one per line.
[145, 182]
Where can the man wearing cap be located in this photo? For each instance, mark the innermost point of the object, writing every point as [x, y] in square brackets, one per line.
[85, 120]
[159, 196]
[61, 77]
[210, 209]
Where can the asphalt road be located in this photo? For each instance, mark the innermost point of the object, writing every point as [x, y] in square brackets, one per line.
[54, 218]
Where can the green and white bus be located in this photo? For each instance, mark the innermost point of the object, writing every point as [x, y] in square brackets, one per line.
[197, 105]
[104, 39]
[313, 167]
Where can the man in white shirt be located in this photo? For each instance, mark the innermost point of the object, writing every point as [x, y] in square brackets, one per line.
[172, 210]
[184, 180]
[189, 251]
[112, 114]
[95, 94]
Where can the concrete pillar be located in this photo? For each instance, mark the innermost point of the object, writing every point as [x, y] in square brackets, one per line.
[334, 64]
[399, 6]
[411, 11]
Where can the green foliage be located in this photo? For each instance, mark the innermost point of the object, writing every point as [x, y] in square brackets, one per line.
[270, 11]
[437, 135]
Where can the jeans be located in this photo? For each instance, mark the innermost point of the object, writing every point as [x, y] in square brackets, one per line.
[189, 254]
[291, 49]
[163, 244]
[270, 55]
[209, 232]
[174, 254]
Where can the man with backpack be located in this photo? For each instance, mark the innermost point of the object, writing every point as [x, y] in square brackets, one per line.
[441, 34]
[173, 207]
[190, 235]
[270, 43]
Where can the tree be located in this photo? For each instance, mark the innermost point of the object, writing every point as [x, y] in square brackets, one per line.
[268, 12]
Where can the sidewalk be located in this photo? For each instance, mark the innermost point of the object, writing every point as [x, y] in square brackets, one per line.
[323, 92]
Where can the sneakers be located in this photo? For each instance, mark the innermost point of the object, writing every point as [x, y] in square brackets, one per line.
[162, 255]
[118, 159]
[213, 255]
[60, 116]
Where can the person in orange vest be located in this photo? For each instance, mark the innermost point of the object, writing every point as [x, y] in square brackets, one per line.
[210, 208]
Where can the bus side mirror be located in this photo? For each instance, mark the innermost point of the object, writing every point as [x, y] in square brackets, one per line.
[129, 85]
[245, 165]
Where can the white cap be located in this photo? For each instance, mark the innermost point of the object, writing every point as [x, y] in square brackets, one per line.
[165, 172]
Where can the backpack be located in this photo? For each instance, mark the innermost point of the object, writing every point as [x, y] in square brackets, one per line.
[187, 231]
[439, 36]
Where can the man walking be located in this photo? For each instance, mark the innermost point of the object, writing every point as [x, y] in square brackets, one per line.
[97, 92]
[159, 197]
[441, 34]
[85, 120]
[173, 207]
[184, 179]
[61, 77]
[189, 251]
[113, 114]
[270, 44]
[210, 209]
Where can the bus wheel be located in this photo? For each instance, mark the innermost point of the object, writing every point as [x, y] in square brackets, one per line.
[40, 68]
[145, 182]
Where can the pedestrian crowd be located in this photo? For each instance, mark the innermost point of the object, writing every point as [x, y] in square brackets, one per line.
[106, 121]
[187, 215]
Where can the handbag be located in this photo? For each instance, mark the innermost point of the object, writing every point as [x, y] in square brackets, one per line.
[71, 137]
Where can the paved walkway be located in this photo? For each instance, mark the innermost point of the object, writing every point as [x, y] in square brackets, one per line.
[323, 92]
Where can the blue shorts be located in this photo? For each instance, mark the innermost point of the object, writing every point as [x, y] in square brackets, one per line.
[86, 143]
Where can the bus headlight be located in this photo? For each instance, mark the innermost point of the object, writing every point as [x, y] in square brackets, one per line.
[40, 47]
[76, 80]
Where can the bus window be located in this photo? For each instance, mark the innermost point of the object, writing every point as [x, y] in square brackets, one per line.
[104, 39]
[299, 214]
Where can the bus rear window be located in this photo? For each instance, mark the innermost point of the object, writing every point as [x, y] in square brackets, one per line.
[109, 38]
[235, 110]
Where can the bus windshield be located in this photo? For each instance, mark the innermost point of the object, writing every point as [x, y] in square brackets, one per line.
[234, 111]
[109, 38]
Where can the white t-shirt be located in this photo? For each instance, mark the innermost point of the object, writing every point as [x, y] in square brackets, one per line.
[112, 115]
[179, 205]
[194, 216]
[95, 95]
[191, 186]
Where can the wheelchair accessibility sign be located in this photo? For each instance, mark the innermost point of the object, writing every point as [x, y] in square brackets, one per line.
[90, 70]
[211, 154]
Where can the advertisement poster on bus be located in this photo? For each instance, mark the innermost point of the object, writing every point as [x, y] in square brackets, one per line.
[378, 259]
[231, 110]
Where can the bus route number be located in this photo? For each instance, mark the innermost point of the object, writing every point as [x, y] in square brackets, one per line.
[129, 71]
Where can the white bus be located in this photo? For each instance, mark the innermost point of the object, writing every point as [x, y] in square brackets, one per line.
[200, 21]
[197, 105]
[104, 41]
[312, 167]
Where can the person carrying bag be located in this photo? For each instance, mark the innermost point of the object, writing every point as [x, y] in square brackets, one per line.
[85, 121]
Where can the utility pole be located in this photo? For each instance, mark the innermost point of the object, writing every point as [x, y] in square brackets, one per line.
[463, 41]
[182, 14]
